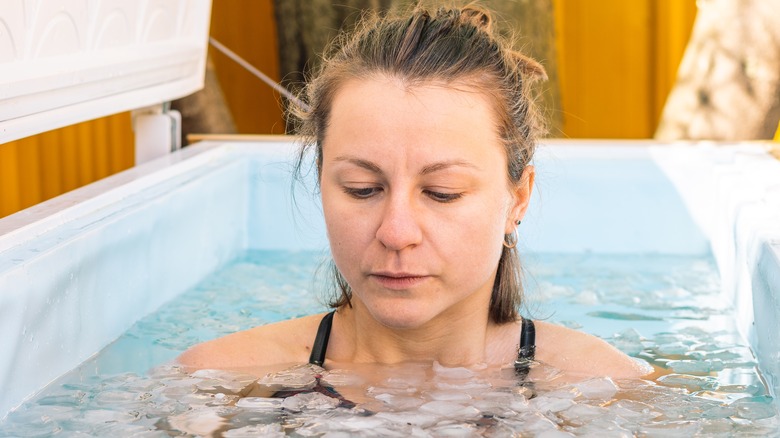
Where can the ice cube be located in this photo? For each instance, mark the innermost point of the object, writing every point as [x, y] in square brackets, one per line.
[602, 388]
[260, 403]
[454, 430]
[580, 414]
[414, 418]
[450, 410]
[448, 396]
[755, 408]
[550, 404]
[400, 402]
[253, 431]
[201, 421]
[310, 401]
[691, 383]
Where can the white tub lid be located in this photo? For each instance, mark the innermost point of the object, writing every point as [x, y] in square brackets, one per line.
[67, 61]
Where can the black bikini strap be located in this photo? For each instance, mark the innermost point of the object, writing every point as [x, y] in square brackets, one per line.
[527, 348]
[321, 341]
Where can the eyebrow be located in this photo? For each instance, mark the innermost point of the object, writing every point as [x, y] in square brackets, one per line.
[431, 168]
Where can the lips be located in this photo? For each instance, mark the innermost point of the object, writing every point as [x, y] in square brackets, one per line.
[398, 280]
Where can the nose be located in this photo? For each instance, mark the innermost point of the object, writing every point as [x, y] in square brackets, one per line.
[400, 227]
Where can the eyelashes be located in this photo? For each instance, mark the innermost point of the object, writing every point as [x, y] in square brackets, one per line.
[361, 192]
[370, 192]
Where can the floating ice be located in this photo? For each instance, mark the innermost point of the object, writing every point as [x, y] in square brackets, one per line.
[628, 341]
[260, 403]
[545, 403]
[755, 408]
[692, 383]
[448, 396]
[203, 421]
[400, 402]
[671, 429]
[264, 430]
[298, 377]
[415, 418]
[337, 378]
[452, 372]
[602, 388]
[586, 298]
[695, 366]
[424, 400]
[450, 410]
[309, 401]
[454, 430]
[580, 414]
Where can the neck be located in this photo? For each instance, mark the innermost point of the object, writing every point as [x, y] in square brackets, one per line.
[455, 338]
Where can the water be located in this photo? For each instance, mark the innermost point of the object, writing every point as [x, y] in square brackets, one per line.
[664, 310]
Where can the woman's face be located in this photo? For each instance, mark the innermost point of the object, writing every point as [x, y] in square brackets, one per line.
[417, 199]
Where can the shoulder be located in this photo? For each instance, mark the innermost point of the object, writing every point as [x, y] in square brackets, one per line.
[278, 343]
[583, 354]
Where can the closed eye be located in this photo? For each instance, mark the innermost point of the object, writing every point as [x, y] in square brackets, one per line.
[443, 197]
[362, 192]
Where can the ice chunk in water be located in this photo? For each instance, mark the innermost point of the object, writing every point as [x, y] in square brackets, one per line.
[448, 396]
[755, 408]
[298, 377]
[222, 381]
[580, 414]
[544, 403]
[203, 421]
[260, 403]
[634, 411]
[719, 411]
[464, 385]
[264, 430]
[586, 298]
[415, 418]
[628, 341]
[337, 378]
[695, 366]
[602, 388]
[450, 410]
[454, 430]
[692, 383]
[672, 348]
[671, 429]
[399, 402]
[309, 401]
[454, 372]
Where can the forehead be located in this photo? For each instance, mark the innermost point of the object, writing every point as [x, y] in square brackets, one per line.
[386, 112]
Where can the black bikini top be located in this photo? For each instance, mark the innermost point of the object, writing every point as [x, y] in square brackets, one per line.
[525, 351]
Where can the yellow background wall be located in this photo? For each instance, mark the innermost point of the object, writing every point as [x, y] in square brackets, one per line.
[43, 166]
[617, 60]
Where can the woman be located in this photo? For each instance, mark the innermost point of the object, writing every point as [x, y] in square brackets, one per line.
[423, 130]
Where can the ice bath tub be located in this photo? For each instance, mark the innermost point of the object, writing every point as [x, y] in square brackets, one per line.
[78, 270]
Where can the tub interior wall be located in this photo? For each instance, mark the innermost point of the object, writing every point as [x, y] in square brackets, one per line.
[70, 288]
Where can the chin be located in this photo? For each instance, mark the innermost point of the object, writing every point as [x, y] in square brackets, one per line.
[399, 317]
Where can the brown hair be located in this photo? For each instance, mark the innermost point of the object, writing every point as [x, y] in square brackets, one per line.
[457, 45]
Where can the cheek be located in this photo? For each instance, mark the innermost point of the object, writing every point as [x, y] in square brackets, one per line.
[347, 231]
[475, 239]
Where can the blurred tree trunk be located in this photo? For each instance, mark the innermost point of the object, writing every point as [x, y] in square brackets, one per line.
[304, 29]
[306, 26]
[728, 84]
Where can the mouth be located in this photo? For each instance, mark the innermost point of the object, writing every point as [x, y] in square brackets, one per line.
[398, 280]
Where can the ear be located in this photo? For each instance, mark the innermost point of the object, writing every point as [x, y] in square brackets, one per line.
[521, 196]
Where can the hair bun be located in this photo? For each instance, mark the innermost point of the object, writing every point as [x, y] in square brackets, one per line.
[478, 17]
[530, 67]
